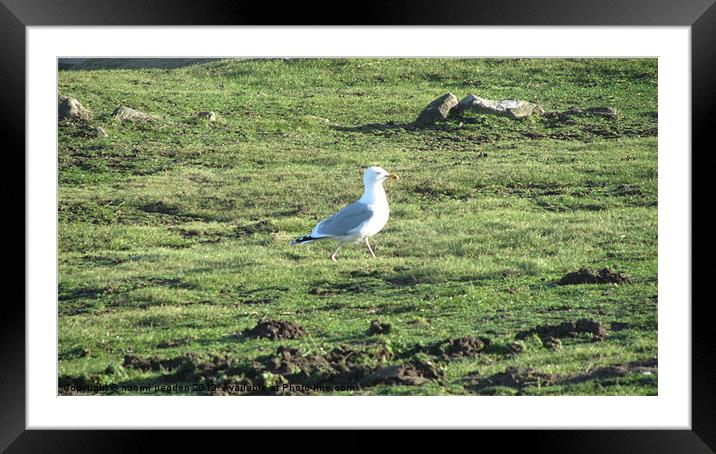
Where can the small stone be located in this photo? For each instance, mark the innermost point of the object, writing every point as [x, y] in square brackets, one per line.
[208, 116]
[99, 131]
[517, 347]
[377, 327]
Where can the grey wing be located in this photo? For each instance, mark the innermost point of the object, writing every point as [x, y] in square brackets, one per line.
[344, 221]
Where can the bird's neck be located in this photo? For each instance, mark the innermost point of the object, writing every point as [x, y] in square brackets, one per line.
[373, 193]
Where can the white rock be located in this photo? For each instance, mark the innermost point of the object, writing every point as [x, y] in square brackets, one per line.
[507, 107]
[71, 109]
[123, 113]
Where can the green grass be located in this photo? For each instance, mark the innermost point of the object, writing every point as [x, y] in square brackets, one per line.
[173, 234]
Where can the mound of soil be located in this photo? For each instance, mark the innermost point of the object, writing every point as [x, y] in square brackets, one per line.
[553, 343]
[513, 377]
[588, 276]
[395, 375]
[378, 327]
[341, 366]
[290, 361]
[345, 366]
[288, 366]
[566, 329]
[152, 363]
[73, 384]
[275, 329]
[468, 346]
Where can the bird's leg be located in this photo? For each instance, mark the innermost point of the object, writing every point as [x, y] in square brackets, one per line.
[369, 248]
[333, 256]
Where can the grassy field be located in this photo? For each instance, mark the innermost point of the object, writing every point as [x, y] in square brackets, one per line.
[173, 233]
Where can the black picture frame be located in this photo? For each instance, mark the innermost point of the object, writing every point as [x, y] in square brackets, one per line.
[699, 15]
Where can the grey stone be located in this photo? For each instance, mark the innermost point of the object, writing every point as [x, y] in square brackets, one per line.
[123, 113]
[437, 110]
[208, 116]
[71, 109]
[511, 108]
[100, 132]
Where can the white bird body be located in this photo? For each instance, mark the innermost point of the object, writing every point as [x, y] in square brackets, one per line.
[359, 220]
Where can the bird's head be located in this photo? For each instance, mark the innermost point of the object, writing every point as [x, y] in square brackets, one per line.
[377, 174]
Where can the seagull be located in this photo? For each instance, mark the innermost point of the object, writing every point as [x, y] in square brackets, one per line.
[361, 219]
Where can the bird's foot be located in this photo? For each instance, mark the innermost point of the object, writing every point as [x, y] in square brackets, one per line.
[369, 248]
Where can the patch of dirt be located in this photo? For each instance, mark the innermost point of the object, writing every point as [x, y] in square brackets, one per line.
[334, 289]
[464, 346]
[588, 276]
[257, 301]
[606, 375]
[76, 352]
[152, 363]
[72, 385]
[403, 280]
[566, 116]
[468, 346]
[341, 366]
[160, 208]
[628, 189]
[566, 329]
[553, 343]
[512, 377]
[264, 226]
[619, 326]
[427, 191]
[275, 329]
[199, 235]
[378, 327]
[344, 366]
[173, 343]
[288, 371]
[218, 371]
[414, 373]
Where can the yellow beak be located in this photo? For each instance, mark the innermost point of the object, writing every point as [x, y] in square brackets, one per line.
[393, 176]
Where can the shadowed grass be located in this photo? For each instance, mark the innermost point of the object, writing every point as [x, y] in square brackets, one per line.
[173, 234]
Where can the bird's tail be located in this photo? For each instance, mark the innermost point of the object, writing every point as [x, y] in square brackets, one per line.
[303, 239]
